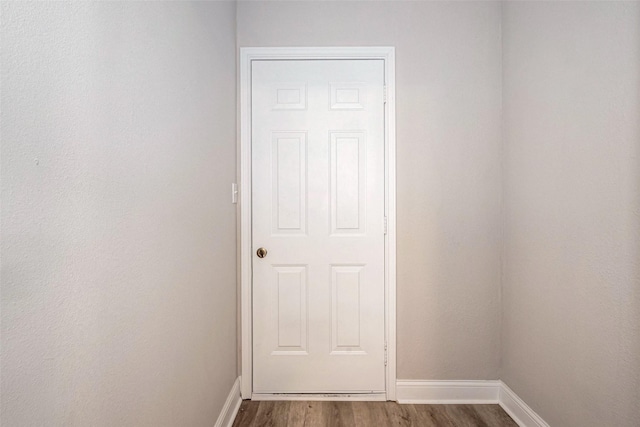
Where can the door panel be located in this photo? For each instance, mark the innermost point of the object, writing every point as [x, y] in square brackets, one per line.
[289, 187]
[318, 209]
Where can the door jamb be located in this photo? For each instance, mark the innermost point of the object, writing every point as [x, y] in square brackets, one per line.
[247, 55]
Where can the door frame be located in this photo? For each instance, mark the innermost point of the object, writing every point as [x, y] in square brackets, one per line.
[247, 56]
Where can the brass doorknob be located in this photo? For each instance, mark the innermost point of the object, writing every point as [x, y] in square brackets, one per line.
[262, 252]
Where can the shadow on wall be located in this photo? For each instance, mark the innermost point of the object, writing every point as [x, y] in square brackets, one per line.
[634, 297]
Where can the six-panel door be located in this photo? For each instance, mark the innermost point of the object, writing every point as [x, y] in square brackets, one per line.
[318, 210]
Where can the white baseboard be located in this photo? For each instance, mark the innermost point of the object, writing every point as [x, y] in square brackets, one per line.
[517, 409]
[438, 392]
[469, 392]
[231, 406]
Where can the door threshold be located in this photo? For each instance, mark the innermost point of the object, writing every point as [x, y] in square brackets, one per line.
[354, 397]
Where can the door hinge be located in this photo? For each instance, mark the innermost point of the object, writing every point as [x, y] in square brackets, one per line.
[385, 354]
[234, 193]
[385, 225]
[384, 93]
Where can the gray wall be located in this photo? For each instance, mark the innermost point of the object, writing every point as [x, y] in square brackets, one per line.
[571, 315]
[118, 241]
[449, 153]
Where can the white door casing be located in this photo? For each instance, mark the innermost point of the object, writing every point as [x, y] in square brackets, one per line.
[323, 159]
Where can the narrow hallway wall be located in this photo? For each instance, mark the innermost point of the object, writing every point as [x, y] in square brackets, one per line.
[571, 313]
[118, 241]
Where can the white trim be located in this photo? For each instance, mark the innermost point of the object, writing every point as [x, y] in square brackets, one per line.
[440, 392]
[231, 406]
[390, 204]
[517, 409]
[353, 397]
[469, 392]
[246, 331]
[364, 52]
[248, 54]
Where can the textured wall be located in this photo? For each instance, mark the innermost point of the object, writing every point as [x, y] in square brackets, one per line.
[449, 157]
[571, 336]
[118, 242]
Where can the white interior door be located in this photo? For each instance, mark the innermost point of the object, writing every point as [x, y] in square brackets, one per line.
[318, 210]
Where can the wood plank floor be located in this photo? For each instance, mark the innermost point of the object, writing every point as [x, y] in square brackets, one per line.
[367, 414]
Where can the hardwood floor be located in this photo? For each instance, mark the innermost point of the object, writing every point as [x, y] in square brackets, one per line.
[366, 414]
